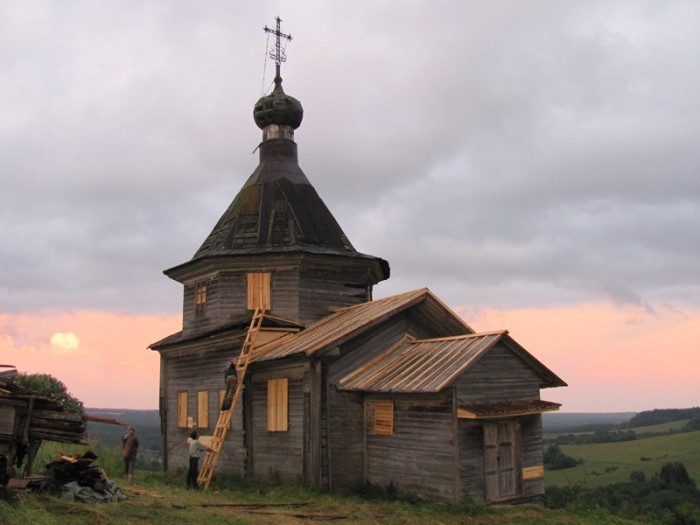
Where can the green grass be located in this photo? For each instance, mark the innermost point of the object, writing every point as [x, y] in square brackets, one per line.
[166, 493]
[662, 428]
[148, 510]
[606, 463]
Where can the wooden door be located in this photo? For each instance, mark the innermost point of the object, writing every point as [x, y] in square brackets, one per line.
[501, 460]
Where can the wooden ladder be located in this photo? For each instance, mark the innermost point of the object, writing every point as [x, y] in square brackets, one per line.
[206, 472]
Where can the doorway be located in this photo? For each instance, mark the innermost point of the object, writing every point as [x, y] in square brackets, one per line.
[502, 460]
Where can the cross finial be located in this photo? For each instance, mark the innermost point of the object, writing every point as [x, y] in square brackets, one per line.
[278, 54]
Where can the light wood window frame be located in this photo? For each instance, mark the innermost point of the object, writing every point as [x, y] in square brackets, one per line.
[278, 405]
[203, 409]
[182, 409]
[200, 297]
[259, 290]
[384, 417]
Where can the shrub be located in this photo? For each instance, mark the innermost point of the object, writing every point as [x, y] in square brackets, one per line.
[675, 474]
[637, 476]
[555, 459]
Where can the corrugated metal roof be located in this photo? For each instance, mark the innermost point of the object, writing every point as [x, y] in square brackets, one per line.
[506, 408]
[347, 323]
[420, 365]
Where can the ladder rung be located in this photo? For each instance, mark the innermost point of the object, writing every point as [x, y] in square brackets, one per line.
[223, 424]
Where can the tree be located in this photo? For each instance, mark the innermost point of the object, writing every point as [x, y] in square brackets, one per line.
[555, 459]
[51, 388]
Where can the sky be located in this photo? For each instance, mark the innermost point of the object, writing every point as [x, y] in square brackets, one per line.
[535, 164]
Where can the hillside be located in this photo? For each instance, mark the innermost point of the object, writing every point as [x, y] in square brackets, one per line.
[146, 422]
[553, 422]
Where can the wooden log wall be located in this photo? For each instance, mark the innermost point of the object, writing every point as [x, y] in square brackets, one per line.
[498, 376]
[200, 368]
[345, 410]
[366, 346]
[532, 456]
[419, 457]
[471, 459]
[278, 453]
[227, 298]
[346, 457]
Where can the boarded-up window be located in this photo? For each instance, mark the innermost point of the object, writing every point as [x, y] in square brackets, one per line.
[182, 409]
[258, 291]
[277, 403]
[201, 298]
[384, 417]
[202, 409]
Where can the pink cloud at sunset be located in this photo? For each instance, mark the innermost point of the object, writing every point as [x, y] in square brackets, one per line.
[614, 359]
[101, 357]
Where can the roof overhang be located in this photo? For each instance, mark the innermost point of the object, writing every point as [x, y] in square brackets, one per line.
[501, 409]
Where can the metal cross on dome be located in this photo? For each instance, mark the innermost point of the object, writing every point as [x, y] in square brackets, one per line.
[278, 54]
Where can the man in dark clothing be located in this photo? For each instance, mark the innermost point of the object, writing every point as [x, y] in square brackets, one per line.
[231, 378]
[130, 453]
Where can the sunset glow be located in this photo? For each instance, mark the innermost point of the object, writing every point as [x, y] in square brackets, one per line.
[614, 359]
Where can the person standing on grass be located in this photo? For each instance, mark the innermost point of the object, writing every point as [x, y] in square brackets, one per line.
[196, 450]
[130, 452]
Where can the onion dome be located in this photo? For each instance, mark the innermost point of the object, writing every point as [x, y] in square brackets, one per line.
[278, 108]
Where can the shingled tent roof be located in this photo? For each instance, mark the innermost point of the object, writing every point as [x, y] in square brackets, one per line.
[278, 210]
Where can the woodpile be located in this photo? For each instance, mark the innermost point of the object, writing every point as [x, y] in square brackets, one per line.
[39, 418]
[80, 478]
[80, 468]
[26, 419]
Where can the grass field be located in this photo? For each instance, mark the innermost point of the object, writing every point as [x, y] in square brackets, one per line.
[163, 500]
[607, 463]
[662, 428]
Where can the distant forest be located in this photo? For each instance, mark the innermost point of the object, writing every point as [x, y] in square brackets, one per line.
[664, 415]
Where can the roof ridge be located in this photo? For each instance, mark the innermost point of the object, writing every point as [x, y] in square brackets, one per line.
[463, 336]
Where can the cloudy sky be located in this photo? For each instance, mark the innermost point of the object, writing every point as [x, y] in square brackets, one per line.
[535, 164]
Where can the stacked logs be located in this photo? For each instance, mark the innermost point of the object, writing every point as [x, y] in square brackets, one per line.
[38, 418]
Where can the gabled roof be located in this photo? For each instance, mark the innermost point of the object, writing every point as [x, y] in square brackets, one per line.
[429, 365]
[350, 322]
[420, 365]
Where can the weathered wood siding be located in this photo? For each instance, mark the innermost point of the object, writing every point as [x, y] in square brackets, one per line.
[419, 457]
[471, 459]
[227, 298]
[345, 410]
[531, 439]
[196, 369]
[322, 290]
[498, 376]
[346, 439]
[366, 346]
[278, 453]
